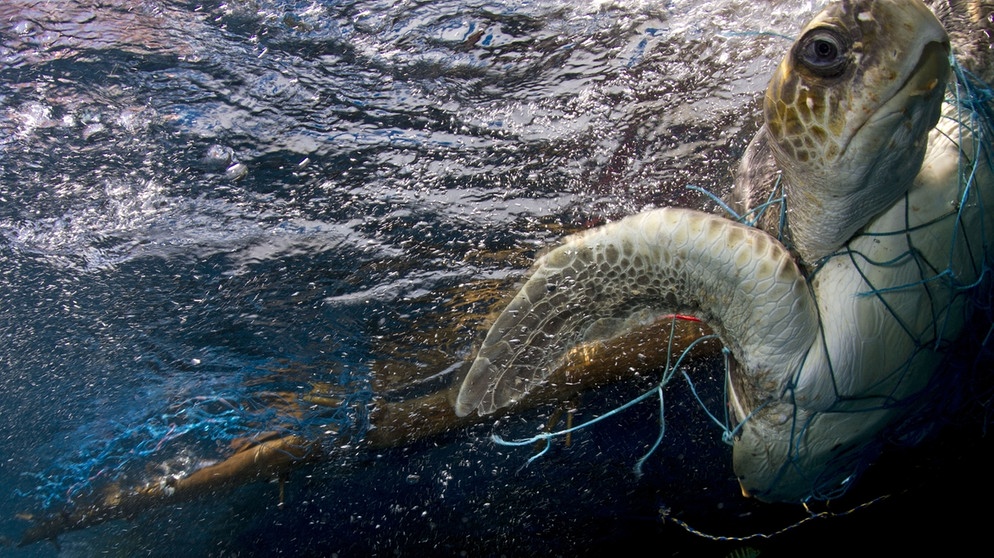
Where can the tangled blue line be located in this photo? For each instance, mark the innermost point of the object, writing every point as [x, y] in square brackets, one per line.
[669, 371]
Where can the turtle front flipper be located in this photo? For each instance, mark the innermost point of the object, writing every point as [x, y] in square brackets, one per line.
[601, 283]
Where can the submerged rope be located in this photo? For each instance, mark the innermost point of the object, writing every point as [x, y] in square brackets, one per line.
[669, 370]
[664, 514]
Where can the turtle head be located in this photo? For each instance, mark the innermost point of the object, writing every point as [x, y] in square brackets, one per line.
[848, 113]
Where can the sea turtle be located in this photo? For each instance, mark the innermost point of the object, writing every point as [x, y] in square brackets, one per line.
[838, 305]
[836, 310]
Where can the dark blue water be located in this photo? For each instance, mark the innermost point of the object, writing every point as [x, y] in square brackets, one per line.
[208, 203]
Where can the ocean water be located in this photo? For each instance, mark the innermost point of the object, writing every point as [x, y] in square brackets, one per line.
[211, 208]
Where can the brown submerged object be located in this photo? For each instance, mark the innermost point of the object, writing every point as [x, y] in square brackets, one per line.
[393, 423]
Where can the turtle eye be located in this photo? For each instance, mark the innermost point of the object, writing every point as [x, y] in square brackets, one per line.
[823, 52]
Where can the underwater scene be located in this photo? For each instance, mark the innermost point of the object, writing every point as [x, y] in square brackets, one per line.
[281, 229]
